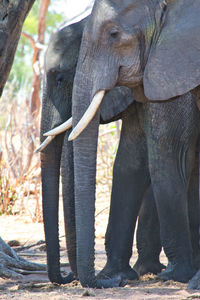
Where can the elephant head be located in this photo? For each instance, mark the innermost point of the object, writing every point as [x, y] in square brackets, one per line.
[130, 42]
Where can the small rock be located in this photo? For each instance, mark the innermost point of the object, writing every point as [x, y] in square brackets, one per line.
[88, 293]
[14, 243]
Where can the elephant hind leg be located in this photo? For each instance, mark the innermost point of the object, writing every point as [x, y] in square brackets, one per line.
[148, 238]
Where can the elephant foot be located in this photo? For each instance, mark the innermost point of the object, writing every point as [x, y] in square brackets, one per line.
[194, 283]
[148, 266]
[116, 281]
[181, 272]
[97, 283]
[57, 278]
[111, 272]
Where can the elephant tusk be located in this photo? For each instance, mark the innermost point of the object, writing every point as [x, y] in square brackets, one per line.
[88, 115]
[61, 128]
[46, 142]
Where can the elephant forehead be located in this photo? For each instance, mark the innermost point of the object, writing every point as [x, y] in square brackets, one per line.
[125, 13]
[123, 6]
[101, 13]
[64, 45]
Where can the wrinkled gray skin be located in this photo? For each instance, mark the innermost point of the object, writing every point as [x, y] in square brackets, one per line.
[133, 43]
[60, 64]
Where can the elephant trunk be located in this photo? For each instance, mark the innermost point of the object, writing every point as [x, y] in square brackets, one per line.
[85, 153]
[85, 149]
[50, 172]
[50, 194]
[91, 79]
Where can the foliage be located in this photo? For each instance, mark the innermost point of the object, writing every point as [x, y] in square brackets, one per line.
[22, 67]
[107, 146]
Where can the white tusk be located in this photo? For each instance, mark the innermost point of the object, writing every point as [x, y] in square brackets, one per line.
[88, 115]
[61, 128]
[46, 142]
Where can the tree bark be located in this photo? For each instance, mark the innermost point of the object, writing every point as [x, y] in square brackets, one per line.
[12, 16]
[34, 104]
[35, 97]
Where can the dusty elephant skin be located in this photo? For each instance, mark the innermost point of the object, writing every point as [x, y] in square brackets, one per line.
[60, 63]
[133, 43]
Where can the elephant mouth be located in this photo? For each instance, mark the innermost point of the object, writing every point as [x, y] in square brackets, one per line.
[82, 124]
[129, 82]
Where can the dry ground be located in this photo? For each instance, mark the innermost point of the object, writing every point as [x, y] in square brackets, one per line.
[38, 287]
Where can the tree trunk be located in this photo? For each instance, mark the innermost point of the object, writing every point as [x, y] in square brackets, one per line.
[35, 97]
[12, 16]
[34, 104]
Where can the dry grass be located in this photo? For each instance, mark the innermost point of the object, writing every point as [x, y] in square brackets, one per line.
[107, 147]
[20, 184]
[19, 167]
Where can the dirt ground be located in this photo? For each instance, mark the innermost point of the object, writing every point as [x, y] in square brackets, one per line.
[37, 286]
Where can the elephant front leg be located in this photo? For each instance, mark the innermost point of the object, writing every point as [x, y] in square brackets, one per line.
[125, 205]
[170, 190]
[130, 181]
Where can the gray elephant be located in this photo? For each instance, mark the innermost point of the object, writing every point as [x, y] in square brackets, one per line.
[60, 64]
[152, 46]
[148, 260]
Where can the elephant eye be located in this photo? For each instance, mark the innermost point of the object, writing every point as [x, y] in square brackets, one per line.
[114, 33]
[59, 78]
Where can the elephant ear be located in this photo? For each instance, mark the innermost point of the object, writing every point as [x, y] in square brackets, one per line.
[115, 102]
[173, 66]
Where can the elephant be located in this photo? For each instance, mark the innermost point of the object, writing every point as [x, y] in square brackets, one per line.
[152, 47]
[57, 152]
[56, 67]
